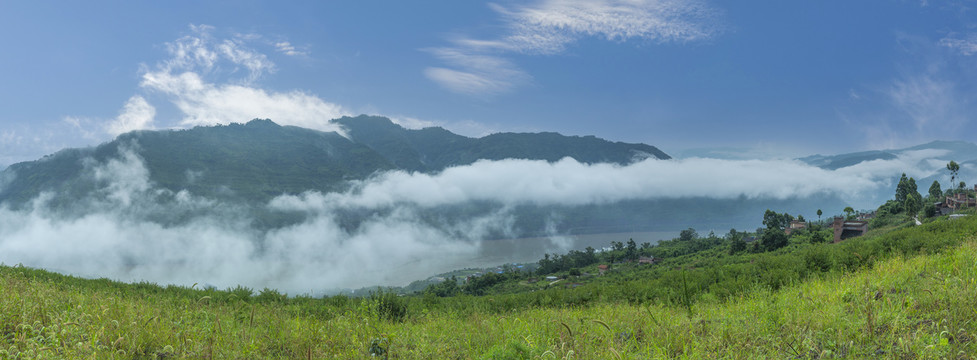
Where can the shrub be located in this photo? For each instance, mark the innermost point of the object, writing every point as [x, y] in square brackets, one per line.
[388, 306]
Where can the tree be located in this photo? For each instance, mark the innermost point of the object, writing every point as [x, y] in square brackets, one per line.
[902, 190]
[773, 220]
[731, 234]
[773, 240]
[631, 253]
[688, 235]
[929, 210]
[935, 191]
[962, 185]
[819, 215]
[954, 169]
[849, 212]
[617, 245]
[817, 237]
[737, 245]
[913, 204]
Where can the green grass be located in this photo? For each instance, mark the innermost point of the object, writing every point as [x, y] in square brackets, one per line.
[917, 304]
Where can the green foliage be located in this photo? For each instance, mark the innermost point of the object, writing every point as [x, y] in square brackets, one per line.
[935, 192]
[512, 350]
[737, 245]
[818, 237]
[913, 204]
[954, 169]
[388, 305]
[448, 287]
[774, 220]
[849, 212]
[773, 240]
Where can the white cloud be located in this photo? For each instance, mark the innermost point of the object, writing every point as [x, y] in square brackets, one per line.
[287, 48]
[966, 46]
[136, 114]
[185, 80]
[547, 27]
[481, 74]
[112, 236]
[568, 182]
[200, 51]
[204, 103]
[408, 122]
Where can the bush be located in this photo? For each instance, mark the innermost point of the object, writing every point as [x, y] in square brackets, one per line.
[388, 306]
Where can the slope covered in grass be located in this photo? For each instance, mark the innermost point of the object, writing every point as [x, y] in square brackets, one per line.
[907, 304]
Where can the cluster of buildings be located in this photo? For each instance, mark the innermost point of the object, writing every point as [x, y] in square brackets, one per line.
[956, 202]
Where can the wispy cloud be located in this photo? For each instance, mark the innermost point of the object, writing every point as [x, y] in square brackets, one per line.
[201, 51]
[966, 45]
[927, 100]
[480, 74]
[549, 26]
[199, 79]
[204, 103]
[476, 66]
[137, 114]
[287, 48]
[930, 96]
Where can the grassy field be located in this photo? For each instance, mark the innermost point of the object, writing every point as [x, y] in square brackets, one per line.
[906, 306]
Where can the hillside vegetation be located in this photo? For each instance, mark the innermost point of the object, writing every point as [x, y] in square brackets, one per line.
[905, 292]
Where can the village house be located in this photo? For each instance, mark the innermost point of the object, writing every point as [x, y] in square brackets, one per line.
[794, 226]
[958, 201]
[848, 229]
[646, 260]
[601, 269]
[866, 216]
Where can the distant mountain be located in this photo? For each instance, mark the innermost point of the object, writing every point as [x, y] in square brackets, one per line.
[435, 148]
[261, 159]
[959, 151]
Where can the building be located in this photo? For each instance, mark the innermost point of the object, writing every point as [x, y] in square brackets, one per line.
[848, 229]
[958, 201]
[601, 269]
[794, 226]
[646, 260]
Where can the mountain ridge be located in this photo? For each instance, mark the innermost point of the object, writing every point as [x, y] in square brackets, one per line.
[262, 159]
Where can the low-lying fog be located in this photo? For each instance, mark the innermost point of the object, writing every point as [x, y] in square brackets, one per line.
[117, 231]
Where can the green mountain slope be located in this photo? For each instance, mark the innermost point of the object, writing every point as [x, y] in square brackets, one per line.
[433, 149]
[260, 159]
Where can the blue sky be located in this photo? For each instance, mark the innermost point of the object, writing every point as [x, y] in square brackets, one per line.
[756, 78]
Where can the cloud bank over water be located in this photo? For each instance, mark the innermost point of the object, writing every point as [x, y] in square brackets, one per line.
[130, 229]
